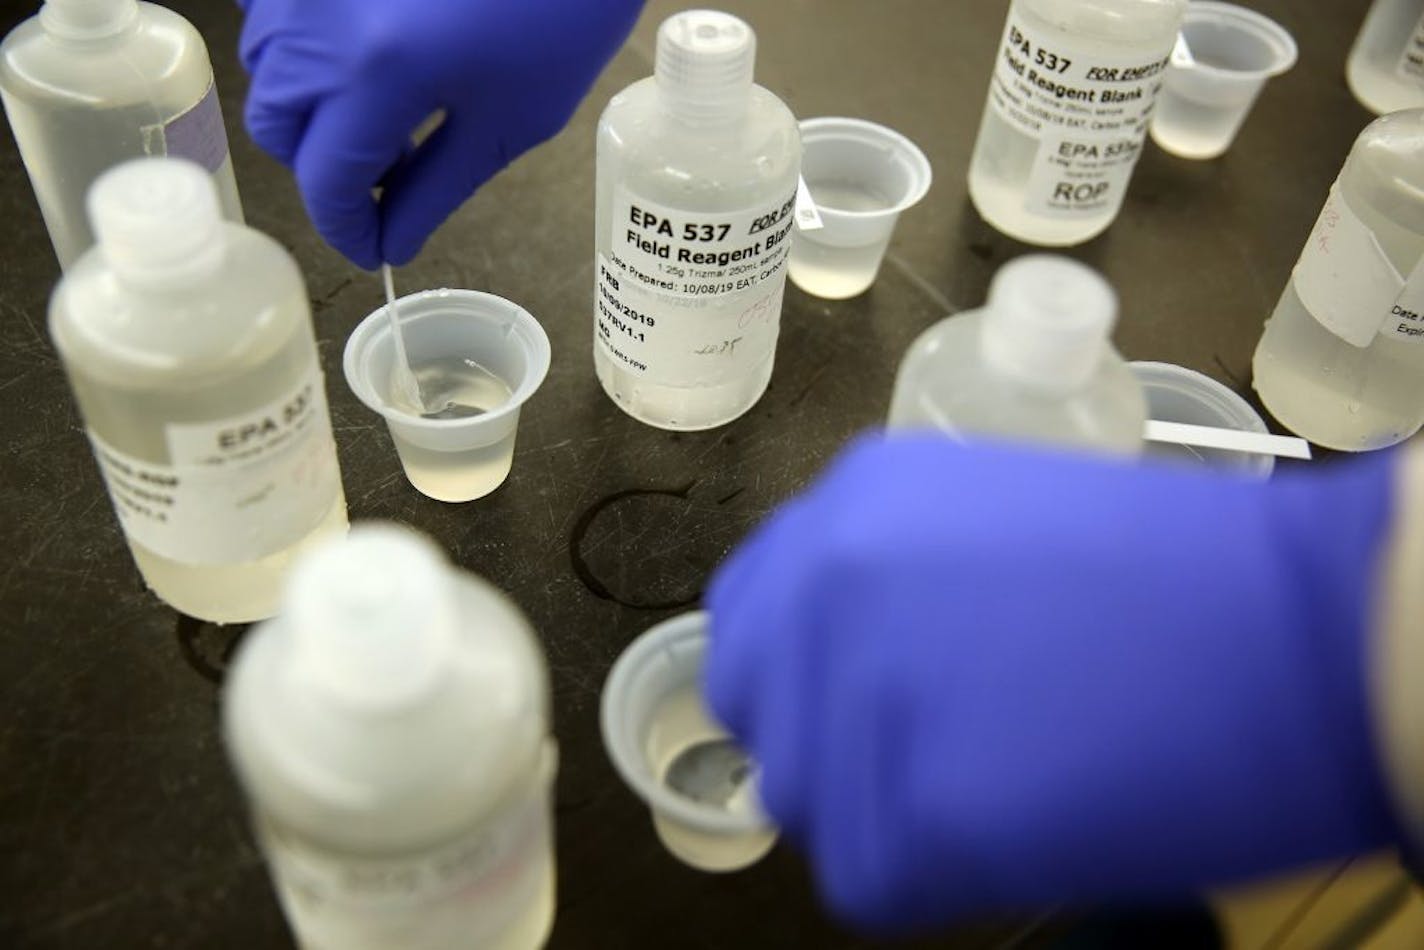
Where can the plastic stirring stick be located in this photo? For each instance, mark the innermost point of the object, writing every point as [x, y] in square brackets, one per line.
[407, 388]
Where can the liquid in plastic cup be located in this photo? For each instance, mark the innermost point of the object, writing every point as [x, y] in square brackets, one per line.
[455, 459]
[1177, 394]
[1203, 104]
[652, 712]
[861, 177]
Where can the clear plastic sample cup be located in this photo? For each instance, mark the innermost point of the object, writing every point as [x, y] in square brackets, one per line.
[861, 177]
[674, 756]
[1233, 51]
[1177, 394]
[477, 358]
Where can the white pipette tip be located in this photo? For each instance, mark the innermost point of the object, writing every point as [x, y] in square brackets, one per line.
[808, 216]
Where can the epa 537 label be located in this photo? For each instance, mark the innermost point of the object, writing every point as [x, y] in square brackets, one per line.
[1088, 106]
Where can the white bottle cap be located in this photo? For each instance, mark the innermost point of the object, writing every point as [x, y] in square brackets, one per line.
[157, 221]
[372, 619]
[86, 19]
[705, 62]
[1048, 322]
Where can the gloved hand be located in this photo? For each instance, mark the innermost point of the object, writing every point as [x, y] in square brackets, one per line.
[983, 677]
[338, 86]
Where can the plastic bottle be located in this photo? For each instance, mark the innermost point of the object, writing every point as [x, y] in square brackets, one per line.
[1070, 102]
[90, 83]
[1386, 65]
[188, 344]
[391, 730]
[1341, 362]
[1035, 364]
[697, 173]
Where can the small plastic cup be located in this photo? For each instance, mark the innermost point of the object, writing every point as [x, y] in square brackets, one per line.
[861, 177]
[457, 459]
[652, 711]
[1177, 394]
[1203, 104]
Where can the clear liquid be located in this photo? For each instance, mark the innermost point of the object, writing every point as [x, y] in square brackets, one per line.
[455, 388]
[680, 723]
[1334, 394]
[232, 593]
[829, 271]
[523, 889]
[1318, 385]
[66, 148]
[752, 162]
[136, 422]
[1004, 156]
[1374, 69]
[1192, 129]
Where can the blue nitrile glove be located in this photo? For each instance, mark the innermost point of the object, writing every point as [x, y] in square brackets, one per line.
[983, 677]
[338, 86]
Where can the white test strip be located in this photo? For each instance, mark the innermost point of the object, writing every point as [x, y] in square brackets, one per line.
[1232, 440]
[808, 218]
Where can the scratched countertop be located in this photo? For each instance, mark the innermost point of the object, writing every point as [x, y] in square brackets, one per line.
[120, 825]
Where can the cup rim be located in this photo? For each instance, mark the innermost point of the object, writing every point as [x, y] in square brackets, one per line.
[1204, 389]
[427, 303]
[1258, 24]
[863, 130]
[620, 743]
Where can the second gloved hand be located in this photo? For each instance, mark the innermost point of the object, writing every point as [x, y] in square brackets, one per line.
[983, 677]
[339, 86]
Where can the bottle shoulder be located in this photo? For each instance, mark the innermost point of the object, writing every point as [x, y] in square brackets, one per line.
[639, 140]
[943, 383]
[250, 307]
[161, 56]
[1113, 22]
[1385, 170]
[483, 734]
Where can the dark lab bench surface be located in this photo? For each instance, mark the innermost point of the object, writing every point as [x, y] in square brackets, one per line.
[120, 825]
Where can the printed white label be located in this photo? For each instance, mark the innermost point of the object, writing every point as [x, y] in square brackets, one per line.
[234, 490]
[685, 295]
[466, 890]
[1089, 112]
[1411, 61]
[1406, 317]
[1343, 277]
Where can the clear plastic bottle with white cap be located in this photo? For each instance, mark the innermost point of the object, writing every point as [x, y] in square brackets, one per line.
[87, 84]
[1070, 102]
[1386, 66]
[1341, 361]
[697, 173]
[391, 730]
[188, 344]
[1035, 364]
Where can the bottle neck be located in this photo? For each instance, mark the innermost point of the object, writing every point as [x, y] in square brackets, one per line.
[693, 114]
[1043, 366]
[87, 21]
[169, 276]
